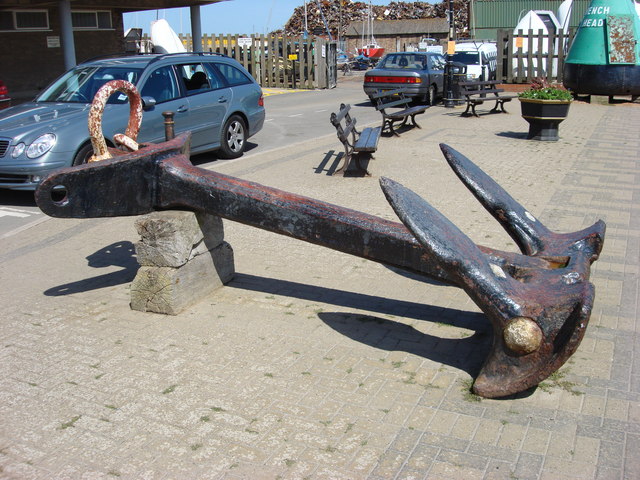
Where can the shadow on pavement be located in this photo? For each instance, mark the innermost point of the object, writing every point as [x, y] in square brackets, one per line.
[119, 254]
[326, 165]
[522, 135]
[372, 303]
[467, 354]
[329, 167]
[199, 159]
[17, 198]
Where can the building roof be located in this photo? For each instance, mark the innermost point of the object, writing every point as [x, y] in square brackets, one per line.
[123, 5]
[418, 26]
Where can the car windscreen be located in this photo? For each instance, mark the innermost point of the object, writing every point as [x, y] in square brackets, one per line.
[81, 84]
[404, 61]
[468, 58]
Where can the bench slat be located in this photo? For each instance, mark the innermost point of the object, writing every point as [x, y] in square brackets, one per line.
[478, 92]
[488, 82]
[393, 103]
[368, 141]
[341, 114]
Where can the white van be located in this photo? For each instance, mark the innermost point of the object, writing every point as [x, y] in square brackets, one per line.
[479, 57]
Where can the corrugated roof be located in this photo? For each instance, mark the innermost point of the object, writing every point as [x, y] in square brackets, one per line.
[398, 27]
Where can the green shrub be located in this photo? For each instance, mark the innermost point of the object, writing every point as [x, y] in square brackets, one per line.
[541, 90]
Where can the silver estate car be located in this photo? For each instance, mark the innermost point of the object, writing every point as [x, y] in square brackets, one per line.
[420, 73]
[211, 95]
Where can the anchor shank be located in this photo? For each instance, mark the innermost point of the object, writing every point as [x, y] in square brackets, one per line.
[181, 185]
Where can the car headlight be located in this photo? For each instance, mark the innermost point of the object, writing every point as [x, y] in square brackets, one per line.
[41, 145]
[18, 149]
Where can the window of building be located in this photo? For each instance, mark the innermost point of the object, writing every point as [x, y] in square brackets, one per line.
[12, 20]
[91, 20]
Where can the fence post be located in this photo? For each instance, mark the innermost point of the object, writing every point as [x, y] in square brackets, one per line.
[541, 69]
[237, 50]
[321, 63]
[500, 45]
[310, 54]
[263, 61]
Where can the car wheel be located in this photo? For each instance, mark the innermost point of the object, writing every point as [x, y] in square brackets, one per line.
[83, 155]
[234, 136]
[431, 96]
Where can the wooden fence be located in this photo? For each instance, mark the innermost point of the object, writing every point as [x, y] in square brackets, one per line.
[528, 54]
[274, 61]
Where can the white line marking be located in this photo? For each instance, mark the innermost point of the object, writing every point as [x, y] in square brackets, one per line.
[13, 212]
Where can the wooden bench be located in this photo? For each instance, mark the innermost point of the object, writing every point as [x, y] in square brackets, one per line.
[476, 93]
[355, 142]
[396, 99]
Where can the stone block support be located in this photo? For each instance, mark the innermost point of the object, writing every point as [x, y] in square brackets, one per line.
[183, 257]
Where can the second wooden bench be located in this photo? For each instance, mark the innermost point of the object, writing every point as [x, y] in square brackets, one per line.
[396, 99]
[476, 93]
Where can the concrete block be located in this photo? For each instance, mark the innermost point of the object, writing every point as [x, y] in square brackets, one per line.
[170, 290]
[173, 237]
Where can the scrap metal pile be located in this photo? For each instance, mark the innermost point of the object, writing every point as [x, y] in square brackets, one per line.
[339, 17]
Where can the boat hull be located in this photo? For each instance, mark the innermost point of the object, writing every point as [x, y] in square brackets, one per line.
[371, 52]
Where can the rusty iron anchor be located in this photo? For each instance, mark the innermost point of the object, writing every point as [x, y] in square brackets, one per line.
[538, 302]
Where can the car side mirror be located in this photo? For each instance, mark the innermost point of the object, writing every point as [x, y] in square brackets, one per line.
[148, 103]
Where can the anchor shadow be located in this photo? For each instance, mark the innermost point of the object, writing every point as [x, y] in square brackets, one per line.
[466, 354]
[119, 254]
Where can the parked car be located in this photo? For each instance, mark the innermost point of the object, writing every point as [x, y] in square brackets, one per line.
[211, 95]
[5, 99]
[480, 59]
[421, 73]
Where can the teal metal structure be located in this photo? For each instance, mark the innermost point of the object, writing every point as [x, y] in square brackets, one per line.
[604, 58]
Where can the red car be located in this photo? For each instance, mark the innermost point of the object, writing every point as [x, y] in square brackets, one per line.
[5, 99]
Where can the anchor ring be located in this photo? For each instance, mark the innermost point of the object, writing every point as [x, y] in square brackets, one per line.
[100, 151]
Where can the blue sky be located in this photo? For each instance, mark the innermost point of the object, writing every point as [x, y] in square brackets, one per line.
[234, 16]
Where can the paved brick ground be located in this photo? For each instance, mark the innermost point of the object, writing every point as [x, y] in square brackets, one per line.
[315, 364]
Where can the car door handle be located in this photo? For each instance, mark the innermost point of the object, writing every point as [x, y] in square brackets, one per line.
[182, 108]
[222, 100]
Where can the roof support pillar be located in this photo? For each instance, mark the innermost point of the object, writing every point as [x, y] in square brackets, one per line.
[66, 32]
[196, 28]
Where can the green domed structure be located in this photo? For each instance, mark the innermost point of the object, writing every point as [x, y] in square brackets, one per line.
[604, 58]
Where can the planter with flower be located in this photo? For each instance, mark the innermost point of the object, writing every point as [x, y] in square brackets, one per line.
[544, 107]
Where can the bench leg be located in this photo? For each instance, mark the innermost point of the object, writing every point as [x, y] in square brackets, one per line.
[471, 106]
[345, 163]
[389, 123]
[413, 120]
[499, 107]
[359, 167]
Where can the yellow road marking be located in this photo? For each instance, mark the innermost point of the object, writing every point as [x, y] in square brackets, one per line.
[279, 91]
